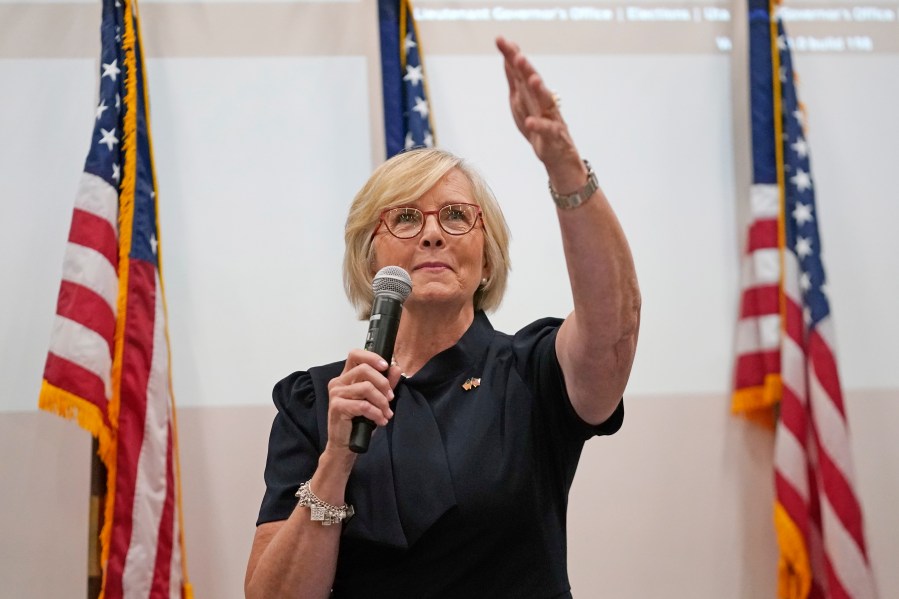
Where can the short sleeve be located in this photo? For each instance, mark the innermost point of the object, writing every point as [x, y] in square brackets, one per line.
[292, 446]
[535, 352]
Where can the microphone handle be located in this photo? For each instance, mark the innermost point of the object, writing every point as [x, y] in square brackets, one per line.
[381, 337]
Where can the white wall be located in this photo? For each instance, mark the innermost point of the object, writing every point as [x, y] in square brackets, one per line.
[263, 113]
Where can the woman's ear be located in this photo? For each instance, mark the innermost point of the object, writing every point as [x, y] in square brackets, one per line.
[372, 262]
[485, 273]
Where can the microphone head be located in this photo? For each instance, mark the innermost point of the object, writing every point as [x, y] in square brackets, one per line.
[394, 281]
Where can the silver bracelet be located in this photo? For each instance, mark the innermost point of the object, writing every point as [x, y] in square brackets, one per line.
[573, 200]
[322, 511]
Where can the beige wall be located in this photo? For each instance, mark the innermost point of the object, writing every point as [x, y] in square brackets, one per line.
[675, 505]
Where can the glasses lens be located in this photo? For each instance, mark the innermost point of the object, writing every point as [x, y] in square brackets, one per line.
[404, 222]
[458, 218]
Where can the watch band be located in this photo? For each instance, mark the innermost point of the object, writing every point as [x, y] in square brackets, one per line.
[573, 200]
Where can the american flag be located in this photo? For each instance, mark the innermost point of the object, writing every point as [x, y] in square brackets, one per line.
[786, 370]
[407, 114]
[108, 364]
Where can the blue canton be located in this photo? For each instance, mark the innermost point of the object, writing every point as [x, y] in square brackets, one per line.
[416, 111]
[801, 225]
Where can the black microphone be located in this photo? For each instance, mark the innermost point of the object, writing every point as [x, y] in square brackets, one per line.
[392, 285]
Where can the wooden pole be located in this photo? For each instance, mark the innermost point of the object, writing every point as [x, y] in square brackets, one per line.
[95, 523]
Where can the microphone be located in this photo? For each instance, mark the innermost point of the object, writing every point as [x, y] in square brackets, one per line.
[392, 285]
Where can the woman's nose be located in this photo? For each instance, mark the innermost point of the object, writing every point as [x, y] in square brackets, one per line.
[431, 232]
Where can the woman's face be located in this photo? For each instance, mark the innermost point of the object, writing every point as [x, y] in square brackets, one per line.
[445, 269]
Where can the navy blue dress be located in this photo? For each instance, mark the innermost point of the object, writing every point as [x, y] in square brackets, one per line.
[464, 492]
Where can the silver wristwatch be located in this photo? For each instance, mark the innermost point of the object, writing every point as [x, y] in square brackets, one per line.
[573, 200]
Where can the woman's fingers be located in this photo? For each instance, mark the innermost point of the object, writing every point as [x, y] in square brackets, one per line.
[534, 106]
[361, 399]
[362, 389]
[518, 92]
[393, 376]
[520, 72]
[359, 357]
[508, 48]
[543, 96]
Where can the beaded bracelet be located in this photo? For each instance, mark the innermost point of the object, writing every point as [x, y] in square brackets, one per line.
[322, 511]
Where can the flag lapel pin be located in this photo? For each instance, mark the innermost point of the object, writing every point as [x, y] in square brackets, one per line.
[471, 383]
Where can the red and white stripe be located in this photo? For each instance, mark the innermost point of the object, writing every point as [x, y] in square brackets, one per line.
[144, 556]
[812, 460]
[758, 328]
[81, 342]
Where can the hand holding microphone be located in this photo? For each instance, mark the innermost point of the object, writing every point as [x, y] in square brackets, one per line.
[391, 285]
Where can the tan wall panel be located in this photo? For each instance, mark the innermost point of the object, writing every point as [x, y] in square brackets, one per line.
[678, 504]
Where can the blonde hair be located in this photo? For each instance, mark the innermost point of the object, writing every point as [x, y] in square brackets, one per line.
[403, 179]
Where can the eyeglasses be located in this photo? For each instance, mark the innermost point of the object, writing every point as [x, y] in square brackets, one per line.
[406, 222]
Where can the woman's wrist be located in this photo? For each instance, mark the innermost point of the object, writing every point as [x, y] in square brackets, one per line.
[567, 175]
[333, 472]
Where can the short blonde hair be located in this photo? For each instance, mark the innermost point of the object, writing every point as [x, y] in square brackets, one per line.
[403, 179]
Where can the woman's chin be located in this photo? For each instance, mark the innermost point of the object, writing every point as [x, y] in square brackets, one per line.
[438, 294]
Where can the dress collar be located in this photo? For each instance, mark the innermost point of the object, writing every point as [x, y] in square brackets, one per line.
[453, 360]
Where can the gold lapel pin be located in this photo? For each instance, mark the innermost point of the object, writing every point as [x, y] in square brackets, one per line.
[471, 383]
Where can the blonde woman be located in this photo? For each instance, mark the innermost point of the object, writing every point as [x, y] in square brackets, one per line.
[464, 490]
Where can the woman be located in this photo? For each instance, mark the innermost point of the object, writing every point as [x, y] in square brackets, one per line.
[464, 489]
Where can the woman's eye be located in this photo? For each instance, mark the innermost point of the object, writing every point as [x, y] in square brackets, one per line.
[405, 217]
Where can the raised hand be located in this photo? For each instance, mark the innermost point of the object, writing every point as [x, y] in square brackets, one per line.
[536, 111]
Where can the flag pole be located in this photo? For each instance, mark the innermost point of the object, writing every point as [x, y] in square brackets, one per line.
[95, 523]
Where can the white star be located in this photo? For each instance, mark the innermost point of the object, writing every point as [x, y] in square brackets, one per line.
[413, 75]
[421, 107]
[409, 42]
[116, 171]
[429, 140]
[781, 42]
[409, 141]
[807, 314]
[802, 213]
[800, 146]
[801, 180]
[153, 243]
[111, 70]
[101, 109]
[805, 281]
[803, 247]
[783, 74]
[108, 138]
[118, 101]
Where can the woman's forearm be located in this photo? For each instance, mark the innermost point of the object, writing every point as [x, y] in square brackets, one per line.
[597, 343]
[297, 557]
